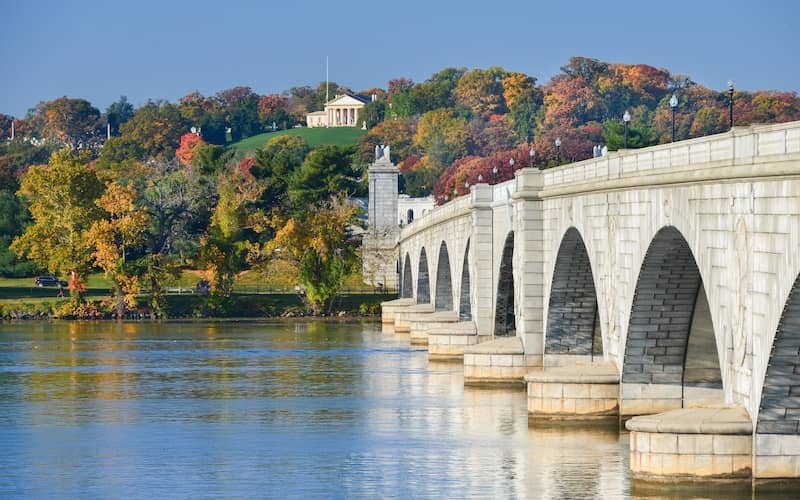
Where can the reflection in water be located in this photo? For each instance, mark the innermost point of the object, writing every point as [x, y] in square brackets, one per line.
[278, 409]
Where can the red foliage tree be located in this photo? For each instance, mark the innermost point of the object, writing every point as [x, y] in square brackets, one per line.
[189, 144]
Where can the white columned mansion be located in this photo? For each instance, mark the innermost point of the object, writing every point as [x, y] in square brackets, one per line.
[341, 111]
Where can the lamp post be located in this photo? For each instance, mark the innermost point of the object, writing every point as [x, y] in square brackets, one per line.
[558, 150]
[494, 174]
[730, 103]
[511, 166]
[626, 119]
[673, 103]
[532, 154]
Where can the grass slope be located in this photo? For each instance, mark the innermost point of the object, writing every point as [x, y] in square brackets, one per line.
[319, 136]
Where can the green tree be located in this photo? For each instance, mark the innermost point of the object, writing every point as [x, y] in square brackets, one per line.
[13, 220]
[118, 113]
[275, 163]
[325, 172]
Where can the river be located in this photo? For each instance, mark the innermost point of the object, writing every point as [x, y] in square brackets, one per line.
[273, 410]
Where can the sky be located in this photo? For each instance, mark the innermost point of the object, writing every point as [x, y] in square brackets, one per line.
[145, 49]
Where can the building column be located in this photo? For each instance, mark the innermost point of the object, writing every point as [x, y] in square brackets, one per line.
[480, 257]
[356, 116]
[529, 261]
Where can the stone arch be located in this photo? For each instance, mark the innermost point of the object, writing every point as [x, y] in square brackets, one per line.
[444, 285]
[671, 340]
[572, 317]
[779, 411]
[423, 283]
[407, 285]
[465, 304]
[504, 319]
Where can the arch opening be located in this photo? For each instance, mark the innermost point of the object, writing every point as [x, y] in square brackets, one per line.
[671, 337]
[779, 409]
[465, 304]
[407, 285]
[444, 286]
[573, 325]
[504, 319]
[409, 216]
[423, 283]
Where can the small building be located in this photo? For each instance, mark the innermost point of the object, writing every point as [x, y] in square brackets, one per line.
[341, 111]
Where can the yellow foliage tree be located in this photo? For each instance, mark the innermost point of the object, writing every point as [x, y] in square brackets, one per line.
[122, 228]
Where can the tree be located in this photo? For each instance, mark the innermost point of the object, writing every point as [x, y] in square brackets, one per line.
[189, 144]
[120, 230]
[372, 113]
[13, 220]
[73, 122]
[225, 247]
[118, 113]
[326, 171]
[481, 91]
[274, 108]
[442, 136]
[61, 198]
[154, 132]
[274, 164]
[318, 243]
[5, 126]
[395, 133]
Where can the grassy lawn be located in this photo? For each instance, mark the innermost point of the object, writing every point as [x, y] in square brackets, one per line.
[338, 136]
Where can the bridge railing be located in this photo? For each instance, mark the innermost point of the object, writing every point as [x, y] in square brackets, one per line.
[742, 144]
[503, 191]
[442, 212]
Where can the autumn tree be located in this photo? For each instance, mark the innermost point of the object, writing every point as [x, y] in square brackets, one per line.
[481, 91]
[61, 198]
[274, 108]
[73, 122]
[189, 144]
[442, 136]
[154, 132]
[224, 248]
[318, 242]
[120, 230]
[395, 133]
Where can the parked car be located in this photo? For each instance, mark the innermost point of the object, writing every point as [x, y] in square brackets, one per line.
[49, 281]
[203, 286]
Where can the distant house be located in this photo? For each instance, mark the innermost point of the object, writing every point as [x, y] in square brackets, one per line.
[341, 111]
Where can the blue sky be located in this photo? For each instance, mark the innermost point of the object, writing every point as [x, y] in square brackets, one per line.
[144, 49]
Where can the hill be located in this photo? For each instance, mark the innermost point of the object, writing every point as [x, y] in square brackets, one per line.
[338, 136]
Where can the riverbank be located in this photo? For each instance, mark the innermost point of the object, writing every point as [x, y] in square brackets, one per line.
[277, 305]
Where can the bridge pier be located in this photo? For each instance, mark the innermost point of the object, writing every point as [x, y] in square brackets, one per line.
[402, 317]
[692, 444]
[390, 307]
[573, 392]
[420, 324]
[447, 342]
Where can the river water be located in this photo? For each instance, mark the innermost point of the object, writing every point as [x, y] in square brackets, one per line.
[273, 410]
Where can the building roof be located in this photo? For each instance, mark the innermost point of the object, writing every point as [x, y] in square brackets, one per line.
[348, 99]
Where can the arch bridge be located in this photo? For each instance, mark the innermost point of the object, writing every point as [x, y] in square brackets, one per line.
[678, 266]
